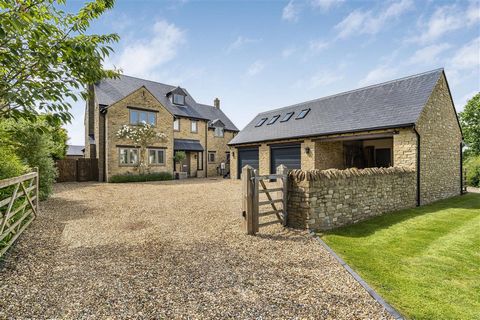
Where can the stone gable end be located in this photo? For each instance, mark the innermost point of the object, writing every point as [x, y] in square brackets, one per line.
[118, 115]
[440, 139]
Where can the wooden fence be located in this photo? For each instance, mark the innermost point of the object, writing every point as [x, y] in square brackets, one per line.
[18, 207]
[254, 187]
[82, 169]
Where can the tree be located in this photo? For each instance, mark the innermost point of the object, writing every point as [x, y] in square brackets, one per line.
[142, 136]
[33, 149]
[179, 157]
[470, 122]
[46, 57]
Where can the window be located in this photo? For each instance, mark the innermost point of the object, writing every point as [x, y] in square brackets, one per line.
[178, 99]
[194, 126]
[128, 156]
[139, 116]
[262, 121]
[176, 124]
[211, 156]
[200, 161]
[302, 114]
[272, 121]
[156, 156]
[287, 116]
[219, 132]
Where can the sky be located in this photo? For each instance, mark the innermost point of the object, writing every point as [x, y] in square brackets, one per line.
[260, 55]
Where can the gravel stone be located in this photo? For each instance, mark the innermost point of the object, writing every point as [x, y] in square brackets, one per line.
[171, 249]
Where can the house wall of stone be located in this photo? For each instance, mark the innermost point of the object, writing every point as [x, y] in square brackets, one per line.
[328, 155]
[440, 139]
[185, 132]
[342, 197]
[220, 147]
[405, 149]
[118, 115]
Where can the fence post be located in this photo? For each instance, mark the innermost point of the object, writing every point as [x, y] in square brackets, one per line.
[255, 200]
[37, 195]
[247, 199]
[283, 170]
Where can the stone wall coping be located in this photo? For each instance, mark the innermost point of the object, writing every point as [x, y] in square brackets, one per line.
[314, 175]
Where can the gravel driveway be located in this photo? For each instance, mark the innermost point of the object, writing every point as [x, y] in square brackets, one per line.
[169, 250]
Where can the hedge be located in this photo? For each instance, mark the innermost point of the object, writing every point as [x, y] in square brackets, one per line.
[122, 178]
[472, 165]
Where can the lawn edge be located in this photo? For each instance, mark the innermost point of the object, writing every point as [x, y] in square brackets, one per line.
[393, 312]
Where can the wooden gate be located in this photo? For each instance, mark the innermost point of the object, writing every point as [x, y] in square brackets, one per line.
[18, 207]
[82, 169]
[264, 196]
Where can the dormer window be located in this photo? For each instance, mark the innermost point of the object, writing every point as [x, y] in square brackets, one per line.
[177, 96]
[178, 99]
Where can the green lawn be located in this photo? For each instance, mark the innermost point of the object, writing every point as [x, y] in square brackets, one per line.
[424, 261]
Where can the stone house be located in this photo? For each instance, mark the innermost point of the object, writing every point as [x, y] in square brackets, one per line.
[74, 152]
[201, 131]
[409, 123]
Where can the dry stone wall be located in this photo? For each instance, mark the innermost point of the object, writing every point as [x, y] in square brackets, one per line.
[322, 200]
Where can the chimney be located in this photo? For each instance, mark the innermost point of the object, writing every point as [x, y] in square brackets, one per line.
[216, 103]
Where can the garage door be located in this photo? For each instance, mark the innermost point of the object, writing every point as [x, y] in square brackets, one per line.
[288, 155]
[247, 156]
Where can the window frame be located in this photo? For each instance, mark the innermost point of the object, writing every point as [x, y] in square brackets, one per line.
[261, 122]
[178, 121]
[178, 95]
[215, 132]
[157, 150]
[196, 126]
[273, 120]
[139, 112]
[129, 156]
[214, 153]
[288, 116]
[307, 111]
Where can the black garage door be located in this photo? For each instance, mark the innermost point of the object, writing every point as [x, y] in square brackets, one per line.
[247, 156]
[288, 155]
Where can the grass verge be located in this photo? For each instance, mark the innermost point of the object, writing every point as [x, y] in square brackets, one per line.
[424, 261]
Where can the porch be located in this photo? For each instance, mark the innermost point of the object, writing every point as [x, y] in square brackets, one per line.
[194, 163]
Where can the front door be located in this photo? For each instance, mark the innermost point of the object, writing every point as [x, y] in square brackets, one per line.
[186, 163]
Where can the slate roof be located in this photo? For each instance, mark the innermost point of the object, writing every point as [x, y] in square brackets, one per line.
[187, 145]
[109, 91]
[75, 150]
[390, 104]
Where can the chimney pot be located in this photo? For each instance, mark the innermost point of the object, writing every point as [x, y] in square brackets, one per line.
[216, 103]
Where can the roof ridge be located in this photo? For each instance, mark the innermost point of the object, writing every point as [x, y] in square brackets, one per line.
[353, 90]
[165, 84]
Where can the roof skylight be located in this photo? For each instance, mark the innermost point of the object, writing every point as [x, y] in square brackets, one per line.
[287, 116]
[302, 114]
[262, 121]
[275, 118]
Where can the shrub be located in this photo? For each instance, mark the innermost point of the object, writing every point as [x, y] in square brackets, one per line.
[472, 165]
[11, 165]
[122, 178]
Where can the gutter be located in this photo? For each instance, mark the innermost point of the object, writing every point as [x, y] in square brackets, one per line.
[461, 167]
[418, 165]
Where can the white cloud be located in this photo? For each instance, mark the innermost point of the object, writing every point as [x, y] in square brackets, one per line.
[447, 19]
[379, 74]
[316, 46]
[370, 22]
[428, 54]
[468, 56]
[325, 4]
[321, 78]
[287, 52]
[141, 57]
[240, 42]
[255, 68]
[460, 103]
[290, 12]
